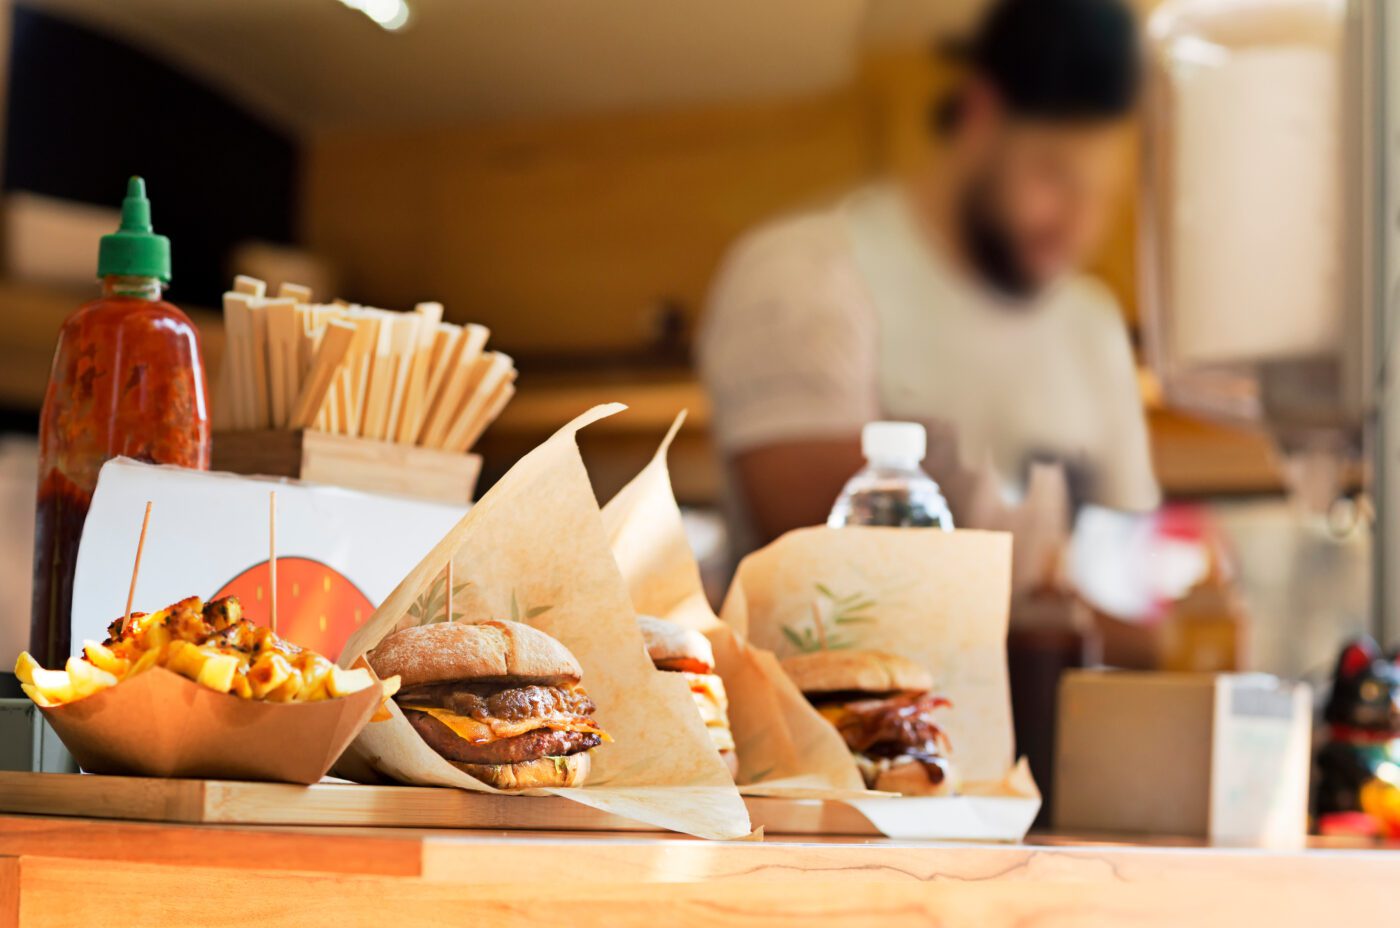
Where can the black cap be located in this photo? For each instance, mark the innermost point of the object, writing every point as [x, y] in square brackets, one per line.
[1059, 59]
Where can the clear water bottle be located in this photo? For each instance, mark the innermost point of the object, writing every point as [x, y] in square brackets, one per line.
[892, 489]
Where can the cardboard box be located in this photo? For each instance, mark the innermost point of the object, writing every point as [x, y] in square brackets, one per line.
[1218, 756]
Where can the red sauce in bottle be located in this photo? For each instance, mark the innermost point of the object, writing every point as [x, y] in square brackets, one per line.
[126, 380]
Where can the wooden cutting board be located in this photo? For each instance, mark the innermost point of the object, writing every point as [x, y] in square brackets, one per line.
[340, 803]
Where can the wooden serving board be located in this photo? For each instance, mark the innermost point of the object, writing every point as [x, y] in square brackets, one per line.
[232, 802]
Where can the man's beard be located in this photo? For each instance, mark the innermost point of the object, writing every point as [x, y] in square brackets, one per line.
[989, 247]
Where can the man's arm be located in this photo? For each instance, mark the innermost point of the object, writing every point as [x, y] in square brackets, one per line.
[793, 484]
[787, 352]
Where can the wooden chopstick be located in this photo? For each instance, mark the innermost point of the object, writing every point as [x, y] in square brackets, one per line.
[404, 427]
[466, 370]
[498, 367]
[503, 395]
[408, 378]
[282, 350]
[335, 345]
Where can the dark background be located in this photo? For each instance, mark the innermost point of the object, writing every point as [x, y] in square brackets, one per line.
[85, 112]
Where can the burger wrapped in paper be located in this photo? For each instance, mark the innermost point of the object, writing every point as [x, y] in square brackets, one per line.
[882, 706]
[678, 649]
[499, 700]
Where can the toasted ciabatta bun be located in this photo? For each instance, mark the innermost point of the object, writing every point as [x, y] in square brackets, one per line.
[856, 671]
[483, 652]
[672, 647]
[571, 770]
[906, 776]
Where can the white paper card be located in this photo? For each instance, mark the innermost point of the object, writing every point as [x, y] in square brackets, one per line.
[339, 552]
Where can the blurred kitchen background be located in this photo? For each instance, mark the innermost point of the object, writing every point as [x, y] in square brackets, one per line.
[570, 174]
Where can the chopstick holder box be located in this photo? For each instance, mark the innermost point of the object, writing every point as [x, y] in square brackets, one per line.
[353, 463]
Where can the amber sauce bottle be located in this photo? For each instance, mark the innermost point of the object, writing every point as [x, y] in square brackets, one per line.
[127, 380]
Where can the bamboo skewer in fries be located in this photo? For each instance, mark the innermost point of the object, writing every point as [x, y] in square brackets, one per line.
[407, 378]
[272, 559]
[136, 567]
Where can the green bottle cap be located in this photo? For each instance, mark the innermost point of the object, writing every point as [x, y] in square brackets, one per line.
[135, 250]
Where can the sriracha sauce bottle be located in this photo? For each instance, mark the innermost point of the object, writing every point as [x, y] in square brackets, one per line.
[127, 380]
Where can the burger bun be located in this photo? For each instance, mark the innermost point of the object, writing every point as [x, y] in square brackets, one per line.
[542, 773]
[671, 643]
[856, 671]
[482, 652]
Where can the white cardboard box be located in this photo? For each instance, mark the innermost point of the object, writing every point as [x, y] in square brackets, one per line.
[1219, 756]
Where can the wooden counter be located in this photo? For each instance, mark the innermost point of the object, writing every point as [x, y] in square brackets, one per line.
[81, 872]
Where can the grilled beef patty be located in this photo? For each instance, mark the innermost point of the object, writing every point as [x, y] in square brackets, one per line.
[481, 701]
[529, 746]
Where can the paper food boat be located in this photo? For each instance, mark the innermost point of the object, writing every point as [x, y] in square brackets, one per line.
[160, 724]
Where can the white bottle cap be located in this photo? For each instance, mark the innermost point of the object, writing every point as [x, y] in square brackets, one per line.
[894, 442]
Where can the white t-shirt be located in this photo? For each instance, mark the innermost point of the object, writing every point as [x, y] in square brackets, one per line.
[824, 321]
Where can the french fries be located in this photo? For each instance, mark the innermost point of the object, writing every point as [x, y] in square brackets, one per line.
[211, 644]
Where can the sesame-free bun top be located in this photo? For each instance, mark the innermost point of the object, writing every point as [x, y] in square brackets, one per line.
[667, 641]
[483, 652]
[856, 671]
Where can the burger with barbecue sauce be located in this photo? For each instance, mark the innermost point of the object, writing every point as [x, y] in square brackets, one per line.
[881, 705]
[500, 701]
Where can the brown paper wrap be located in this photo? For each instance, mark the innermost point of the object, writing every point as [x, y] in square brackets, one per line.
[160, 724]
[939, 598]
[784, 747]
[534, 549]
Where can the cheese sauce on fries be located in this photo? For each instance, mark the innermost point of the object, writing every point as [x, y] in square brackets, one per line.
[210, 643]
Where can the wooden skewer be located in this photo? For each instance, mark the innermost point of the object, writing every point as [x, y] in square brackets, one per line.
[136, 568]
[821, 627]
[272, 553]
[449, 591]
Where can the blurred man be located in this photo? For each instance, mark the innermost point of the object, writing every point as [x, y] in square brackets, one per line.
[951, 299]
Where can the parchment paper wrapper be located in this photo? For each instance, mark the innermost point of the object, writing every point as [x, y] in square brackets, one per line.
[784, 747]
[939, 598]
[160, 724]
[533, 549]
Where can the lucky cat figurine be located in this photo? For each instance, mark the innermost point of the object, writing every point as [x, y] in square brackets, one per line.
[1358, 767]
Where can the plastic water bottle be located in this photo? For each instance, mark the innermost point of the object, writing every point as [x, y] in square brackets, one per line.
[892, 489]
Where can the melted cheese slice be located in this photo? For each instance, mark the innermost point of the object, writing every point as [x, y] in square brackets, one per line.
[477, 732]
[709, 693]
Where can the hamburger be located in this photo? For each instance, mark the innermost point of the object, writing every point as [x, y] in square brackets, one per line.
[882, 706]
[685, 651]
[500, 701]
